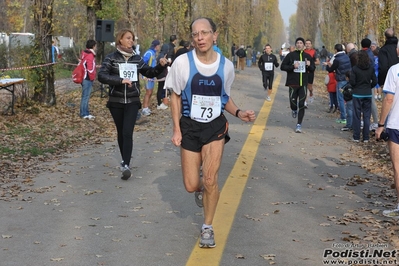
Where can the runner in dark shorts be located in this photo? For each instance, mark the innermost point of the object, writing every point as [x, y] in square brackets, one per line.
[196, 134]
[310, 77]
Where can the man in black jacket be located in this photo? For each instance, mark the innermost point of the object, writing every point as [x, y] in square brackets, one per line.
[169, 49]
[387, 56]
[266, 64]
[298, 64]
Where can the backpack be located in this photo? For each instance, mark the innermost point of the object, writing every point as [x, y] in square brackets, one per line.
[347, 92]
[241, 53]
[78, 73]
[323, 53]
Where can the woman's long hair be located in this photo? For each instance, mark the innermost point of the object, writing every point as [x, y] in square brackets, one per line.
[363, 59]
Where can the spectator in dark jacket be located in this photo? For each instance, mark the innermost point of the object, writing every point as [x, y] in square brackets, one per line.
[340, 64]
[184, 49]
[351, 51]
[241, 57]
[387, 55]
[366, 43]
[362, 79]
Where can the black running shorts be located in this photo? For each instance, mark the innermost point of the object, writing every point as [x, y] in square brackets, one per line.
[310, 77]
[196, 134]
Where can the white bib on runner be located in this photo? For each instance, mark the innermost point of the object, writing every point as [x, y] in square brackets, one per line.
[268, 66]
[128, 71]
[204, 109]
[301, 68]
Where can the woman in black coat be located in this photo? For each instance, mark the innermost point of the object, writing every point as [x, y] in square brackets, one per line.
[362, 79]
[120, 71]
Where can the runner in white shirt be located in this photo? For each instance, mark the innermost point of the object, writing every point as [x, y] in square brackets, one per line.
[390, 118]
[201, 81]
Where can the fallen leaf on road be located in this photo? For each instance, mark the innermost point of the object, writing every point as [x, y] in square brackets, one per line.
[56, 259]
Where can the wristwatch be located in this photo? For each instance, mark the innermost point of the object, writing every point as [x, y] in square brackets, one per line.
[381, 125]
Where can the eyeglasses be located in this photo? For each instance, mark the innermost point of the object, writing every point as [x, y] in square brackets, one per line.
[204, 33]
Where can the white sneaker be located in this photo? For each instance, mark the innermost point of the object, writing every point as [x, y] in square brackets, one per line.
[146, 111]
[162, 106]
[268, 99]
[373, 126]
[90, 117]
[391, 213]
[311, 99]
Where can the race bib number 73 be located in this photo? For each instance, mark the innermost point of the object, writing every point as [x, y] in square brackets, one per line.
[205, 108]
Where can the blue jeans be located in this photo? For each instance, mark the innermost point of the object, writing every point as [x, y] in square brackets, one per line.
[340, 98]
[87, 85]
[323, 67]
[349, 114]
[361, 105]
[249, 62]
[333, 99]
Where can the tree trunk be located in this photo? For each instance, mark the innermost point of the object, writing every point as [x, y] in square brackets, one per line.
[43, 76]
[91, 23]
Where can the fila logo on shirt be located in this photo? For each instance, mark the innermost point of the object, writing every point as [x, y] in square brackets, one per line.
[206, 82]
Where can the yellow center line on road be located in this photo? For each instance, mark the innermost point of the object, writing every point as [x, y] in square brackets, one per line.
[232, 191]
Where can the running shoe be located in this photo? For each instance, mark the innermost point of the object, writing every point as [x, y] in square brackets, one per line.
[345, 128]
[294, 114]
[146, 111]
[391, 213]
[126, 173]
[268, 99]
[355, 140]
[298, 128]
[90, 117]
[311, 99]
[207, 239]
[162, 106]
[341, 121]
[373, 126]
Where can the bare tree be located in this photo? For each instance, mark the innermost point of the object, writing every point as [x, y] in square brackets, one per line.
[43, 77]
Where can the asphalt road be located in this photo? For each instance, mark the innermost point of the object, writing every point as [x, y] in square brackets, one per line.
[84, 214]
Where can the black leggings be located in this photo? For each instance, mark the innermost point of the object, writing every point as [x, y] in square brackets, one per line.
[267, 79]
[297, 101]
[125, 119]
[160, 92]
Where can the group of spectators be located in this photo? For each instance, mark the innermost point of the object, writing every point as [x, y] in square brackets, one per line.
[241, 56]
[364, 76]
[359, 75]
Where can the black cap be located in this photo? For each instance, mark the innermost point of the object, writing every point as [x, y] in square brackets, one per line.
[300, 39]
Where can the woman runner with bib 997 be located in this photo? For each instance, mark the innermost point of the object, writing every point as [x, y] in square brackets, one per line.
[120, 71]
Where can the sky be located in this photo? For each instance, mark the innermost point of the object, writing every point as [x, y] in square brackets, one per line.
[287, 8]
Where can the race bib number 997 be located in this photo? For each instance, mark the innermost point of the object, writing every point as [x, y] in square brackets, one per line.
[128, 71]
